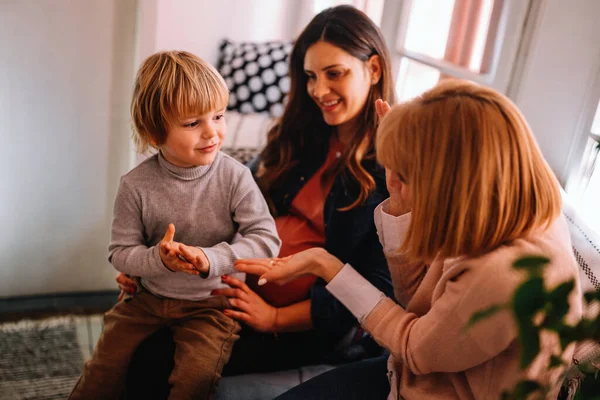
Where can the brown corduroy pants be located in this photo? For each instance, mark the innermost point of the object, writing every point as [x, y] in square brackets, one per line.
[203, 335]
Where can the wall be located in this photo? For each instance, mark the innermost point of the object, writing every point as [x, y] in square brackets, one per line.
[199, 25]
[65, 75]
[66, 69]
[559, 83]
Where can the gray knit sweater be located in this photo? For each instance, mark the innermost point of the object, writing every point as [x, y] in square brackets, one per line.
[209, 206]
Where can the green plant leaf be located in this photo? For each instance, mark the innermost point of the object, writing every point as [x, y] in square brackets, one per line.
[592, 295]
[529, 337]
[532, 263]
[529, 298]
[557, 305]
[485, 313]
[523, 389]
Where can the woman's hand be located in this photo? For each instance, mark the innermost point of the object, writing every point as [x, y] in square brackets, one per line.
[126, 284]
[399, 196]
[249, 307]
[382, 108]
[315, 261]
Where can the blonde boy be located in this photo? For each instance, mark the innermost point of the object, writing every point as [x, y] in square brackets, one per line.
[178, 108]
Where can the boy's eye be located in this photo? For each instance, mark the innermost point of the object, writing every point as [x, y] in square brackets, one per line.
[191, 124]
[219, 117]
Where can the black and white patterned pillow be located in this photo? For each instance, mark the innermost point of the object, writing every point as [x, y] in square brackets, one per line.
[256, 75]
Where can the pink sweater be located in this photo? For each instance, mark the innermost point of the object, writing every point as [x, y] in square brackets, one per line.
[432, 356]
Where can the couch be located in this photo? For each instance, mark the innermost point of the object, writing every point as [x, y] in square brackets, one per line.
[247, 135]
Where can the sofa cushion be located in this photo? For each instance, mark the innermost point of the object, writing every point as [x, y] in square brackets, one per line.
[256, 74]
[265, 386]
[586, 248]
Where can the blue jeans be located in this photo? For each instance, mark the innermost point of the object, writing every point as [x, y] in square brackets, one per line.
[366, 379]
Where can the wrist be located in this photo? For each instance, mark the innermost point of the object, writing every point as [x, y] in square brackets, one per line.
[329, 267]
[275, 324]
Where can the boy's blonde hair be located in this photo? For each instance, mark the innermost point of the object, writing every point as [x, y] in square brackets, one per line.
[474, 170]
[171, 86]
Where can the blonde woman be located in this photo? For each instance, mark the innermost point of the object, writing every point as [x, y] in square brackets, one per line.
[469, 194]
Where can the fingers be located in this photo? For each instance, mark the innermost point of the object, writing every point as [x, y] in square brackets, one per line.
[126, 283]
[382, 107]
[231, 293]
[191, 258]
[170, 234]
[188, 268]
[378, 107]
[278, 276]
[236, 283]
[239, 305]
[252, 269]
[238, 315]
[251, 261]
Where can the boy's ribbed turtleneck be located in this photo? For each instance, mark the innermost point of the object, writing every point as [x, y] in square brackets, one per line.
[186, 174]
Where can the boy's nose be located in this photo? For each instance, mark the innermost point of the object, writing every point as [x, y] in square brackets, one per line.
[209, 132]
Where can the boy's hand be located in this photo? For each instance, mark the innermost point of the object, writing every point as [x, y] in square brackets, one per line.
[197, 257]
[170, 251]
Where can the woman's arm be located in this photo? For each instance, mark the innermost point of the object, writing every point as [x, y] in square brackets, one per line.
[294, 318]
[327, 312]
[439, 341]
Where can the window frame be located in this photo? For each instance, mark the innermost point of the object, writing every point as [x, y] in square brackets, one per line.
[513, 15]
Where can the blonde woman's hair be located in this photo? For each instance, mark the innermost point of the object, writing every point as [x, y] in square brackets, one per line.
[475, 173]
[170, 86]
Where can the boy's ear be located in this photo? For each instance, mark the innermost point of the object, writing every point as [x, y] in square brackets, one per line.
[374, 65]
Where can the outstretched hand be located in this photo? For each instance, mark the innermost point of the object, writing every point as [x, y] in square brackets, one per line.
[315, 261]
[172, 256]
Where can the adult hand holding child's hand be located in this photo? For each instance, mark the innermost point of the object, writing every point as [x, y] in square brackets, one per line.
[170, 252]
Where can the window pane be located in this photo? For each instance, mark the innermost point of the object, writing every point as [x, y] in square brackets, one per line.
[587, 192]
[461, 32]
[414, 78]
[428, 27]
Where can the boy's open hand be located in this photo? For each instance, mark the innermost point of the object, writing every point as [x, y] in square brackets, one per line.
[170, 253]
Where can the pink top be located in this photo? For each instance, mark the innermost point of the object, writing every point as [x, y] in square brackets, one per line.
[432, 356]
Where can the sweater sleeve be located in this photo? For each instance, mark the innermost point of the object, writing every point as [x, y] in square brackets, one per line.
[329, 313]
[438, 340]
[256, 228]
[128, 251]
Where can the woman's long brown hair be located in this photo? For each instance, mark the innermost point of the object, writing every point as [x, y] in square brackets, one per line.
[302, 128]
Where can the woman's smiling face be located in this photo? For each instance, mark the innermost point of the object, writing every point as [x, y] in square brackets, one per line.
[338, 82]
